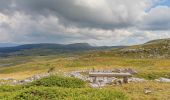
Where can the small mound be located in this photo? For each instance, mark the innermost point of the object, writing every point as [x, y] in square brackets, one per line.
[58, 81]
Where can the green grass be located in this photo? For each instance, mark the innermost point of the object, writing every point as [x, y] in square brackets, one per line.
[74, 89]
[46, 93]
[132, 91]
[146, 68]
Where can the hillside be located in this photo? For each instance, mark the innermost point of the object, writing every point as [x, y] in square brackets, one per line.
[152, 49]
[23, 68]
[45, 49]
[8, 44]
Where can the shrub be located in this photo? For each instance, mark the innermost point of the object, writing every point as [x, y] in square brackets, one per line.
[9, 92]
[58, 81]
[6, 88]
[49, 93]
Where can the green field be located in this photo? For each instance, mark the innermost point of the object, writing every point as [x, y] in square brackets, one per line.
[147, 68]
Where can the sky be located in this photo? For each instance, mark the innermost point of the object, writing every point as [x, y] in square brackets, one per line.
[97, 22]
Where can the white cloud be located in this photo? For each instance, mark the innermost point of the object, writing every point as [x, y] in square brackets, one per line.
[101, 22]
[157, 18]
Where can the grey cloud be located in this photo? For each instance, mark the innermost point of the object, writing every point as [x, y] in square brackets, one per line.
[157, 19]
[103, 22]
[6, 6]
[108, 14]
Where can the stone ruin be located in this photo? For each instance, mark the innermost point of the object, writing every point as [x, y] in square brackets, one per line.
[95, 78]
[100, 78]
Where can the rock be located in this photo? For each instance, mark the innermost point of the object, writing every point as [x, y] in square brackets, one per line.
[163, 80]
[136, 80]
[77, 74]
[98, 84]
[25, 81]
[131, 71]
[7, 79]
[147, 91]
[30, 79]
[125, 70]
[94, 85]
[14, 82]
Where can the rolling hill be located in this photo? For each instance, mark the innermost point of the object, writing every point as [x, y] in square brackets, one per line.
[45, 49]
[153, 49]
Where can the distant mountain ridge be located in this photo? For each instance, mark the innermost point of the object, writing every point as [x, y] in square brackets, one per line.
[153, 49]
[49, 49]
[8, 44]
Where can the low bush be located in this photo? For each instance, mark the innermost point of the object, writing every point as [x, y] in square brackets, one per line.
[58, 88]
[6, 88]
[49, 93]
[58, 81]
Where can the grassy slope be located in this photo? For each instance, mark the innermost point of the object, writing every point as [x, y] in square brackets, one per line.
[151, 49]
[147, 68]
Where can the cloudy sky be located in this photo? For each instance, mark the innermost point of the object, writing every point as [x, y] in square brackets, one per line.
[98, 22]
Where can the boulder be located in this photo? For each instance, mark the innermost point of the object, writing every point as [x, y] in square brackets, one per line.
[125, 70]
[136, 80]
[94, 85]
[163, 80]
[147, 91]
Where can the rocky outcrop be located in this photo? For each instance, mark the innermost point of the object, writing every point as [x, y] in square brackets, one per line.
[11, 81]
[152, 49]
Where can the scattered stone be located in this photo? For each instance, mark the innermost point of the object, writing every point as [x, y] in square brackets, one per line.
[103, 81]
[94, 85]
[118, 82]
[136, 80]
[12, 81]
[163, 80]
[125, 70]
[7, 79]
[147, 91]
[97, 82]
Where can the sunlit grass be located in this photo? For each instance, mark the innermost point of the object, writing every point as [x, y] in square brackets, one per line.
[145, 67]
